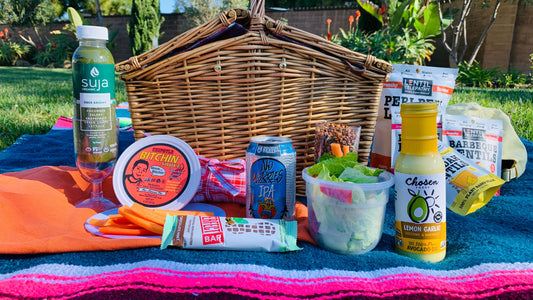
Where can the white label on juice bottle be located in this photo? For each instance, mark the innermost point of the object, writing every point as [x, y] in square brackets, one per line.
[420, 206]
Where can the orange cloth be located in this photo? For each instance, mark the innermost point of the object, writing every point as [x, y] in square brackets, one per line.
[38, 213]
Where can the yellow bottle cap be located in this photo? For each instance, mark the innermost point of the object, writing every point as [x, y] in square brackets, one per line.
[419, 128]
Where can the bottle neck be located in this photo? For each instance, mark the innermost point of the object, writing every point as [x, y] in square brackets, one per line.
[419, 135]
[93, 43]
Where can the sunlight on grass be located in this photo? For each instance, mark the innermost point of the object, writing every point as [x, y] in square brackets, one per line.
[516, 103]
[32, 99]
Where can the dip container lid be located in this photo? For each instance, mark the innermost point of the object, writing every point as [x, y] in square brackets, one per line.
[159, 171]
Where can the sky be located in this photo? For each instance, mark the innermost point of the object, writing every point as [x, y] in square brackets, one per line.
[166, 6]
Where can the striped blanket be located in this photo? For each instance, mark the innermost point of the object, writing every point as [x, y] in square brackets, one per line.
[155, 279]
[489, 255]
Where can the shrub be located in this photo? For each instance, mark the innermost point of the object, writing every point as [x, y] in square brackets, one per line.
[406, 36]
[395, 48]
[11, 51]
[475, 76]
[511, 79]
[59, 48]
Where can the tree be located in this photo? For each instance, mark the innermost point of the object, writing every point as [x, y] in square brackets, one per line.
[308, 3]
[78, 5]
[107, 7]
[199, 12]
[144, 26]
[456, 43]
[28, 13]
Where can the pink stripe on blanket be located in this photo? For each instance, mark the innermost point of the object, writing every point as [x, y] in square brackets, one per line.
[63, 123]
[261, 286]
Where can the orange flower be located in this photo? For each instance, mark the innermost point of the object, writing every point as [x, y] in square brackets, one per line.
[329, 33]
[357, 15]
[1, 34]
[382, 10]
[350, 20]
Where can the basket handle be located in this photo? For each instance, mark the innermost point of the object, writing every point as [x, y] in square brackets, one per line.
[257, 9]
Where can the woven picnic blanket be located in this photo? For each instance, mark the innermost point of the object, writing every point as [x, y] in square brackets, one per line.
[489, 255]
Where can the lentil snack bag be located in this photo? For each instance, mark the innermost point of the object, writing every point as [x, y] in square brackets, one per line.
[408, 83]
[479, 140]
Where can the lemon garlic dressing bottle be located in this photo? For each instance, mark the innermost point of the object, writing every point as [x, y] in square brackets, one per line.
[94, 122]
[420, 186]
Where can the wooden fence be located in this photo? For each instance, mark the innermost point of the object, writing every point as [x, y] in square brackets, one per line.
[508, 45]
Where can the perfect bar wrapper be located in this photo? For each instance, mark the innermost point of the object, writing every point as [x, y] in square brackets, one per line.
[469, 186]
[227, 233]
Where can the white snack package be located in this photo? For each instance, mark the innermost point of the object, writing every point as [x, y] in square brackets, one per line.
[514, 153]
[468, 186]
[408, 83]
[479, 140]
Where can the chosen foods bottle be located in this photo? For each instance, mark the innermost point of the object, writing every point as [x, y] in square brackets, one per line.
[94, 123]
[420, 186]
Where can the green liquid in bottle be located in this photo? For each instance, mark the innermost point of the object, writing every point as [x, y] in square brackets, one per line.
[94, 122]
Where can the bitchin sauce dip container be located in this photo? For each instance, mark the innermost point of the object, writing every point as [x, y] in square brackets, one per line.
[158, 171]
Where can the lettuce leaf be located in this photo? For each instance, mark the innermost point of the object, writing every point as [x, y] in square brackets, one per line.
[343, 169]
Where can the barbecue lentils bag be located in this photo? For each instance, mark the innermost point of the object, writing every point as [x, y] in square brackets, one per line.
[514, 153]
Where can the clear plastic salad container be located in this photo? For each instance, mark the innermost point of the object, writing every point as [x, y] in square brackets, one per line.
[346, 217]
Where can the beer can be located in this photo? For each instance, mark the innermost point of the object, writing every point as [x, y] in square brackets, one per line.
[270, 178]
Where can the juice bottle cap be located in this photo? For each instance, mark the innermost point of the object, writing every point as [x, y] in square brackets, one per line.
[92, 32]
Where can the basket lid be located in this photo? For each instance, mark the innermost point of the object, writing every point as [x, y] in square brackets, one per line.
[267, 31]
[158, 171]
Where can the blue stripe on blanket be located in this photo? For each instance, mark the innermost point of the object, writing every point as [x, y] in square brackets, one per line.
[500, 232]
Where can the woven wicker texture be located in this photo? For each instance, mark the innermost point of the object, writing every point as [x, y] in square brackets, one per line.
[273, 80]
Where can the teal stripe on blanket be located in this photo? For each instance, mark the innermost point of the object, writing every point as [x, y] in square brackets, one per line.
[166, 277]
[500, 232]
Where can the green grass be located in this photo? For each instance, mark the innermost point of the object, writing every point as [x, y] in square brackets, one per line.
[31, 100]
[516, 103]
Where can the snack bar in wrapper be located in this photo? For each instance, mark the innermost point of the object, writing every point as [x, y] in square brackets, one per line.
[228, 233]
[469, 186]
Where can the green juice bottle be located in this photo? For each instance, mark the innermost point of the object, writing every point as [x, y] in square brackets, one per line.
[94, 122]
[420, 186]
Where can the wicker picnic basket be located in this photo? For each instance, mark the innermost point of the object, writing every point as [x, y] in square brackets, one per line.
[243, 75]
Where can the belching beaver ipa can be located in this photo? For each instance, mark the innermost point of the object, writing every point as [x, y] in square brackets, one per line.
[270, 178]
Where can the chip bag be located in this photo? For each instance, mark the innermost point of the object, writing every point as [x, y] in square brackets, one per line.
[479, 140]
[469, 186]
[514, 153]
[408, 83]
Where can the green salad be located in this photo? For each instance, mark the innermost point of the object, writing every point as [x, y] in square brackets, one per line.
[346, 218]
[343, 169]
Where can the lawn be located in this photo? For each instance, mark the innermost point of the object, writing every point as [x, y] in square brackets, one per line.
[31, 100]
